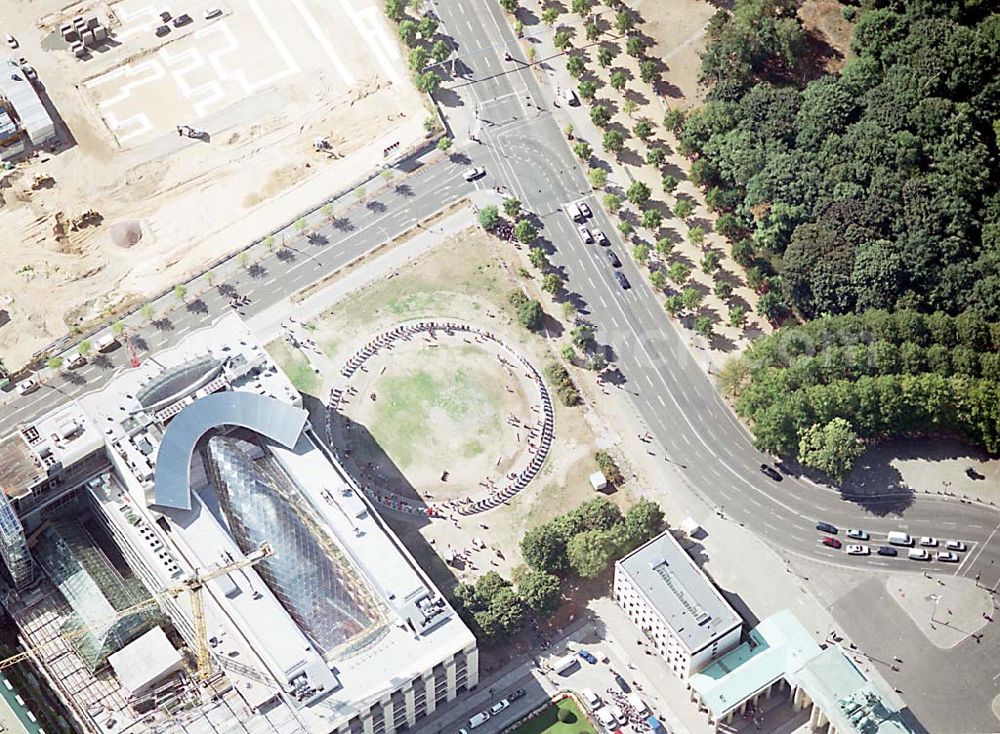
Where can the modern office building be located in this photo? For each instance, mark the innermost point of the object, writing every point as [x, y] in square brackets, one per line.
[184, 467]
[683, 616]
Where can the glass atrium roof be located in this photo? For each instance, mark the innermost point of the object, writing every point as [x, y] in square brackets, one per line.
[176, 382]
[308, 574]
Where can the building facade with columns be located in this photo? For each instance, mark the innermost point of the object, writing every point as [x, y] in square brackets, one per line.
[780, 658]
[685, 619]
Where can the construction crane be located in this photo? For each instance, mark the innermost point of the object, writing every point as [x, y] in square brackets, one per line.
[192, 585]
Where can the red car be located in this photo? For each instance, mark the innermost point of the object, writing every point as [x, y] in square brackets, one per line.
[832, 542]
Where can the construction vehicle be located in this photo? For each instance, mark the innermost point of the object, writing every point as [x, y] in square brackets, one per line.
[192, 132]
[192, 585]
[41, 181]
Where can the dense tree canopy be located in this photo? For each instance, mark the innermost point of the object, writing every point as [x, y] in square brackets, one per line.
[872, 188]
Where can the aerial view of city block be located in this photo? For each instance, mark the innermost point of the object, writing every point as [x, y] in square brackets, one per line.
[500, 366]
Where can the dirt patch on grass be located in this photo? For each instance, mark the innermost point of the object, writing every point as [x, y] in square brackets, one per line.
[830, 33]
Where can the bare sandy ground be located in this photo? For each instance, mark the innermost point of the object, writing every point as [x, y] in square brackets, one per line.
[265, 82]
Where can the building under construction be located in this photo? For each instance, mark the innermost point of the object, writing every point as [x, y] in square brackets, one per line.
[25, 123]
[185, 555]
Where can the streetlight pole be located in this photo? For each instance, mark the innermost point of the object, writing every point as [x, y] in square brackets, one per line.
[937, 600]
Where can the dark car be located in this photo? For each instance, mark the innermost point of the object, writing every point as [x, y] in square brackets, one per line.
[613, 259]
[622, 683]
[622, 280]
[771, 472]
[588, 657]
[831, 542]
[514, 695]
[182, 19]
[887, 550]
[825, 527]
[162, 30]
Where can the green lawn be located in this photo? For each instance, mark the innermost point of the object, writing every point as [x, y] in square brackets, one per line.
[548, 722]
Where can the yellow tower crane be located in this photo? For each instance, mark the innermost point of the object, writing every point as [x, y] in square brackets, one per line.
[193, 585]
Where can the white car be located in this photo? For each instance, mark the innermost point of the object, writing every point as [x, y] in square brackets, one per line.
[28, 386]
[947, 556]
[602, 239]
[857, 534]
[499, 706]
[928, 542]
[585, 234]
[76, 360]
[213, 13]
[472, 174]
[955, 545]
[918, 554]
[11, 41]
[858, 550]
[585, 210]
[592, 699]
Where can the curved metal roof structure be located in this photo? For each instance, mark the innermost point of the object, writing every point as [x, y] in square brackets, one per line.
[278, 421]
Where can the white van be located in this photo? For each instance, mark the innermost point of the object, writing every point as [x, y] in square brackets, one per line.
[637, 703]
[75, 360]
[479, 719]
[107, 342]
[899, 538]
[607, 719]
[592, 699]
[561, 665]
[574, 212]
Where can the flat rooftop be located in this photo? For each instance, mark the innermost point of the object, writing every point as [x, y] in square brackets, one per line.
[679, 591]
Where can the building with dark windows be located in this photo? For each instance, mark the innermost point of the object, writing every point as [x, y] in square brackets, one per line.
[187, 465]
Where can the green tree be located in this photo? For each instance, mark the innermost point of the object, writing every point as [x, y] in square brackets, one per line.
[587, 89]
[525, 232]
[674, 119]
[530, 315]
[148, 312]
[605, 56]
[509, 6]
[540, 591]
[180, 292]
[625, 227]
[657, 279]
[723, 289]
[683, 208]
[656, 156]
[395, 10]
[638, 193]
[118, 328]
[669, 183]
[592, 30]
[643, 129]
[641, 253]
[624, 21]
[575, 65]
[562, 39]
[591, 552]
[737, 316]
[418, 58]
[643, 521]
[652, 219]
[511, 207]
[428, 27]
[581, 7]
[635, 47]
[538, 258]
[613, 141]
[54, 363]
[552, 283]
[544, 549]
[600, 115]
[629, 106]
[428, 82]
[613, 203]
[444, 144]
[243, 259]
[583, 150]
[673, 304]
[832, 448]
[678, 273]
[489, 218]
[664, 246]
[598, 177]
[568, 353]
[408, 31]
[648, 72]
[691, 298]
[440, 51]
[582, 336]
[550, 15]
[703, 326]
[618, 79]
[84, 348]
[710, 261]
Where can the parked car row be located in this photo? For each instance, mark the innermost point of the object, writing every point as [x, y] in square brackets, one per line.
[895, 538]
[483, 716]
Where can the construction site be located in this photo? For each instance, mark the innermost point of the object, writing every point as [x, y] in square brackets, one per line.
[161, 140]
[185, 554]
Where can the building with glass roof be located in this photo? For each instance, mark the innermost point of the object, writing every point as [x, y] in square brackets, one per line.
[189, 463]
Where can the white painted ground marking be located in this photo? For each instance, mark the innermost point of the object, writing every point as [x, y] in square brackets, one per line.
[324, 42]
[369, 25]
